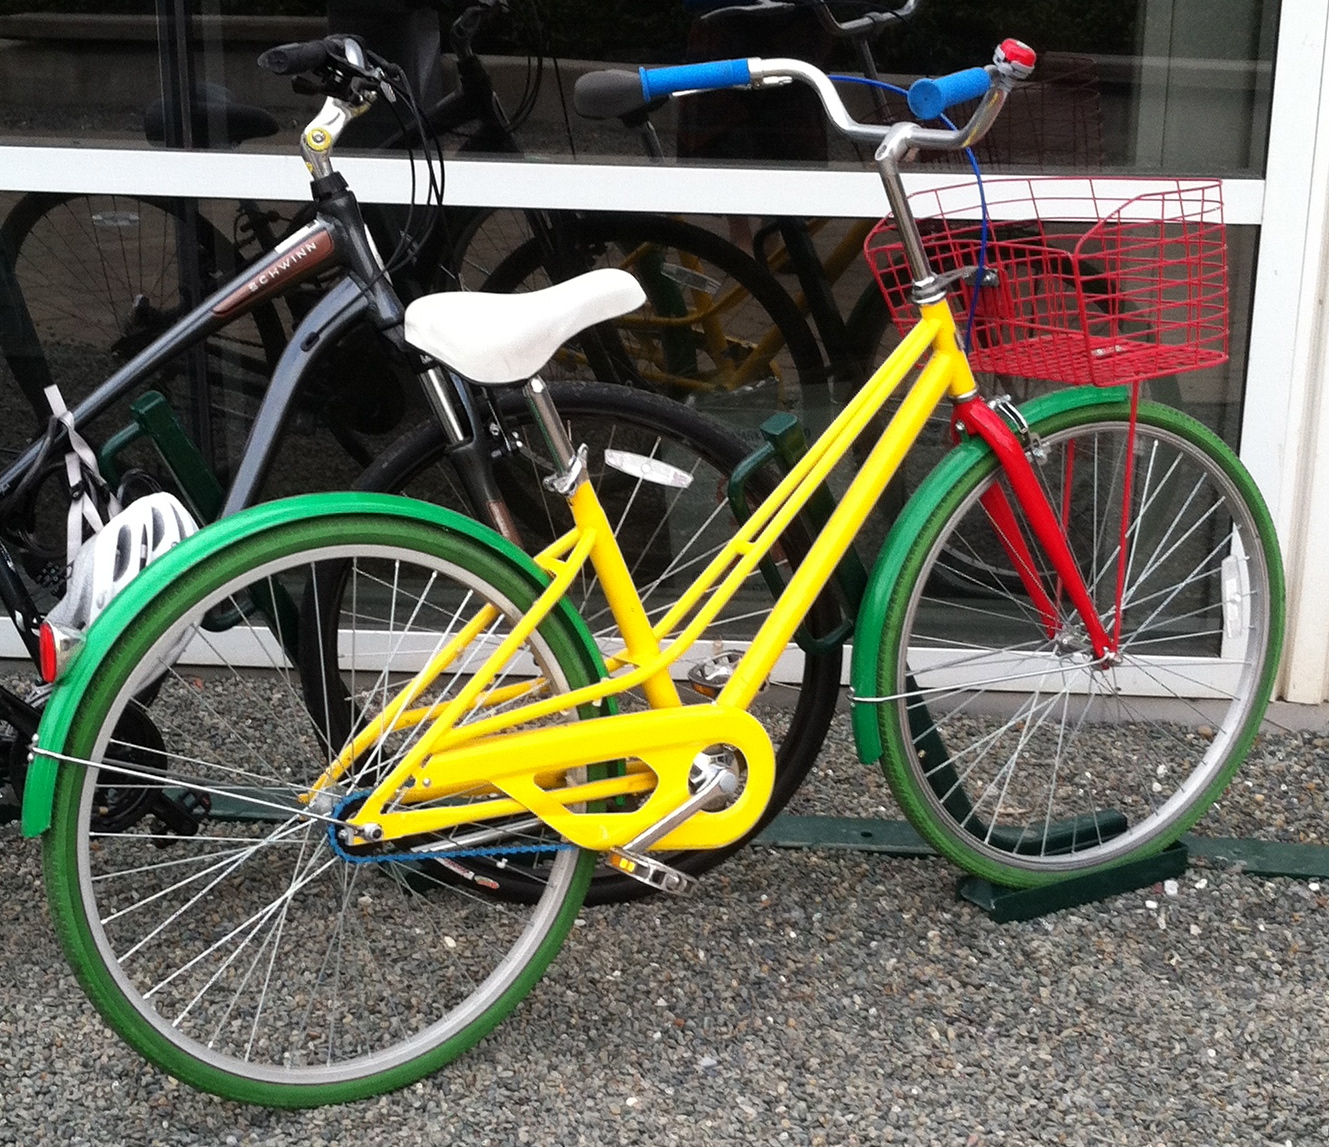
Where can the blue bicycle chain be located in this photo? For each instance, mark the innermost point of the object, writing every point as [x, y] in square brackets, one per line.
[450, 854]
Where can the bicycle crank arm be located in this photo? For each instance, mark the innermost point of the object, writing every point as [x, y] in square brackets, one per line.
[716, 781]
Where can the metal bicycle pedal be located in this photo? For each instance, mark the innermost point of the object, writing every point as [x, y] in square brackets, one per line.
[181, 814]
[709, 677]
[650, 871]
[714, 781]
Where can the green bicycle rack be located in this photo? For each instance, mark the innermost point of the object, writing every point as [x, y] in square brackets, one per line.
[156, 421]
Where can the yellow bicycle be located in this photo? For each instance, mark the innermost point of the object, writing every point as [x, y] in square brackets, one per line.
[1062, 654]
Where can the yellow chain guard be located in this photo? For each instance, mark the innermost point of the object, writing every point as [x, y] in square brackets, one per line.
[529, 770]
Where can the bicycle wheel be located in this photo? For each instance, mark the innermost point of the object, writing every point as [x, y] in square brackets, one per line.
[481, 238]
[717, 331]
[667, 534]
[1008, 749]
[198, 893]
[101, 275]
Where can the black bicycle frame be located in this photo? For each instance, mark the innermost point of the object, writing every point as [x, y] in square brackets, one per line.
[335, 239]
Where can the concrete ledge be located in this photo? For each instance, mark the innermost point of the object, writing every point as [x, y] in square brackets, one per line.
[94, 27]
[1290, 717]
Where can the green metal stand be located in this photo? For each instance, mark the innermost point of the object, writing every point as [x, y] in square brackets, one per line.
[1005, 905]
[1262, 857]
[862, 834]
[896, 838]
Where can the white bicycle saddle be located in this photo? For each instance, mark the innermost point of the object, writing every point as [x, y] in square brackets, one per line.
[508, 338]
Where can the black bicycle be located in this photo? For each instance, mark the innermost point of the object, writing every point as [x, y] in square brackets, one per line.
[103, 274]
[663, 469]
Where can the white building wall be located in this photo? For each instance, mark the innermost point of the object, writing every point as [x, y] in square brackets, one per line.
[1285, 430]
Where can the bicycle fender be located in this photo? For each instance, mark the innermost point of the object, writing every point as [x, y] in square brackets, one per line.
[39, 789]
[881, 585]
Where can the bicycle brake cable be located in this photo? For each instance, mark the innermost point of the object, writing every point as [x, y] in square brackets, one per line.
[408, 242]
[393, 82]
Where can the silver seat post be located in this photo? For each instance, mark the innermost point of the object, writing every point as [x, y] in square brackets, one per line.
[569, 463]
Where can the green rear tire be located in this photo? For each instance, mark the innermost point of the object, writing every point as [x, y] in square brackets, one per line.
[248, 958]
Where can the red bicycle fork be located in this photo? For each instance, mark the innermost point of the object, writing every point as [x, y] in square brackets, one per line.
[975, 417]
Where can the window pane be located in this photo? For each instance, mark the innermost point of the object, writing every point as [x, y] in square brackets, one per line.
[1146, 85]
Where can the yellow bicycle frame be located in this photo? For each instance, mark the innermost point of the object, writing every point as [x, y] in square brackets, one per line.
[502, 769]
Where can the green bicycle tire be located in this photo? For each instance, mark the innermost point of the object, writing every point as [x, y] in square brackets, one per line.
[956, 798]
[181, 587]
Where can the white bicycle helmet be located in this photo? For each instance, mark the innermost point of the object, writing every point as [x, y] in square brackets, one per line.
[131, 541]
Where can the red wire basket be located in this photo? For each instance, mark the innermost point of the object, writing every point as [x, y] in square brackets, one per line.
[1091, 282]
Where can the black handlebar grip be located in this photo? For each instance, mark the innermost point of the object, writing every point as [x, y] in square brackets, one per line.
[609, 94]
[290, 59]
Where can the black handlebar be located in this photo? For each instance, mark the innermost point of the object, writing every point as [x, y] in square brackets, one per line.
[867, 26]
[291, 59]
[610, 94]
[339, 66]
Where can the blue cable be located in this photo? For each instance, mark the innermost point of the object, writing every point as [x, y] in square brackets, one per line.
[982, 201]
[501, 850]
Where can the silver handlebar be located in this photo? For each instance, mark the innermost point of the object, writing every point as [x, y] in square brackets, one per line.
[892, 141]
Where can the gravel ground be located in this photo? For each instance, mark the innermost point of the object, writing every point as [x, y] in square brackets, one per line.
[809, 998]
[1281, 793]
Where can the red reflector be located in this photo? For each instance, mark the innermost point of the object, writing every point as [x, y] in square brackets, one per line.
[55, 646]
[46, 659]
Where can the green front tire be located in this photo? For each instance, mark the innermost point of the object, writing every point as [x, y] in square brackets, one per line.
[1010, 750]
[202, 903]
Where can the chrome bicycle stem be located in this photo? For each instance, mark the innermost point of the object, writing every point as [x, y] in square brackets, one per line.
[903, 137]
[323, 131]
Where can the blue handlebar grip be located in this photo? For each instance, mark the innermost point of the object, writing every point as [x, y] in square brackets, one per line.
[929, 98]
[657, 82]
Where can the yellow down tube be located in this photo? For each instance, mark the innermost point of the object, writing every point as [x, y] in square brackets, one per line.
[946, 373]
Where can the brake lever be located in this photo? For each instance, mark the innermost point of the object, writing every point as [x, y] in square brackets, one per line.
[342, 76]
